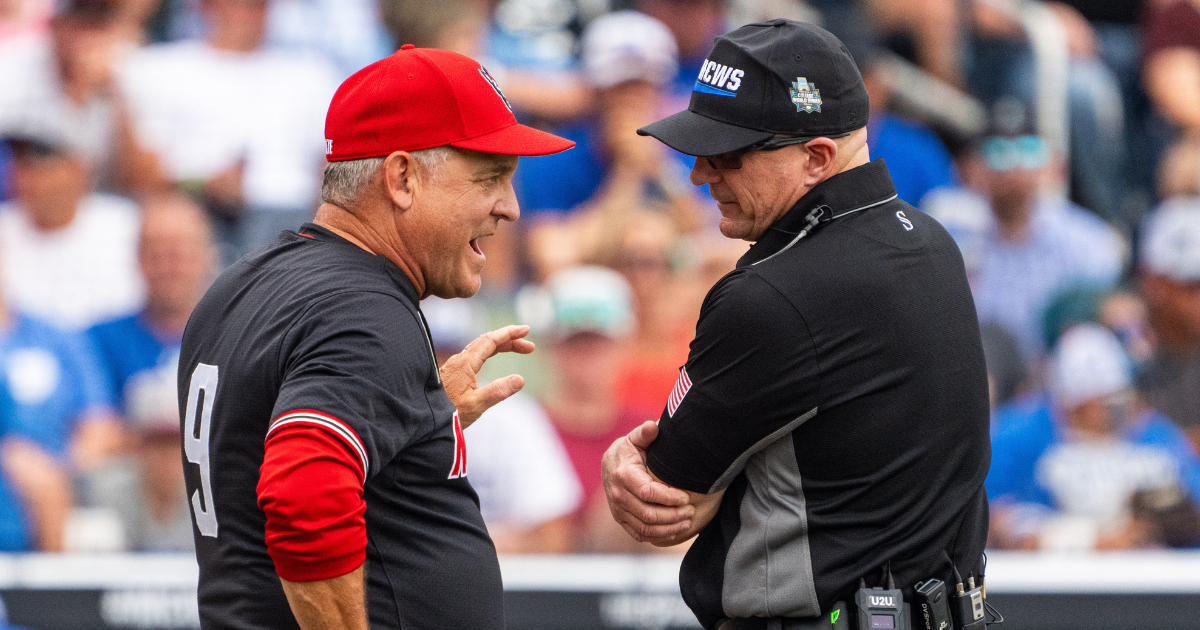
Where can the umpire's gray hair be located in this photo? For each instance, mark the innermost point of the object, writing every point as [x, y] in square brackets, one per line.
[344, 181]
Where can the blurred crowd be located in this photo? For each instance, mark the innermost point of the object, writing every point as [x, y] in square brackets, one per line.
[149, 143]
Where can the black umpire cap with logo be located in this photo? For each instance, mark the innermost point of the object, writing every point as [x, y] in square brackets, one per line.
[777, 78]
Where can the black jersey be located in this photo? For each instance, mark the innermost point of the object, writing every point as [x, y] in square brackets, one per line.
[836, 389]
[314, 326]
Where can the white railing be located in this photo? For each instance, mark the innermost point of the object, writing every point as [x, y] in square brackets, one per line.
[1162, 572]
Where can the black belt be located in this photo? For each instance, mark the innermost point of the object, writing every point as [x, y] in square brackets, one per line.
[836, 619]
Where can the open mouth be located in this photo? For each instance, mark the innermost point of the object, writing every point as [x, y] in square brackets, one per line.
[475, 246]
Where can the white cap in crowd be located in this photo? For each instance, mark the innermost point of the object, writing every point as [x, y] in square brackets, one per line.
[625, 46]
[585, 299]
[1171, 240]
[1089, 363]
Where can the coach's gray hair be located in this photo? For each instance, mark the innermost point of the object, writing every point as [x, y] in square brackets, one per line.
[344, 181]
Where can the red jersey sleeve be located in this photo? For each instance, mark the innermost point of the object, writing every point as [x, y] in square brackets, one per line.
[311, 489]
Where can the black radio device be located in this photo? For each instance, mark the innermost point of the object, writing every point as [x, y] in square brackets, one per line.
[878, 608]
[968, 607]
[931, 606]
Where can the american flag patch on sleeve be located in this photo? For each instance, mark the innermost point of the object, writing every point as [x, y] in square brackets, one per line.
[681, 389]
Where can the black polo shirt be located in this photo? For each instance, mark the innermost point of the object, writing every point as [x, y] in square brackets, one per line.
[314, 325]
[836, 390]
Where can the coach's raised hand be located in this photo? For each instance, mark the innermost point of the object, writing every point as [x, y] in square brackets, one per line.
[460, 374]
[648, 509]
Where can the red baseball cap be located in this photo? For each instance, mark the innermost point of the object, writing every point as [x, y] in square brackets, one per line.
[420, 98]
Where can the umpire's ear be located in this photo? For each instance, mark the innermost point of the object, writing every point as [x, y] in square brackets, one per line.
[400, 177]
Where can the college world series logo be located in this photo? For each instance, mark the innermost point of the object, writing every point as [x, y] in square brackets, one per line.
[806, 96]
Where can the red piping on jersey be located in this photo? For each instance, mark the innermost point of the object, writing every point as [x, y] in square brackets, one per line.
[337, 427]
[311, 493]
[307, 235]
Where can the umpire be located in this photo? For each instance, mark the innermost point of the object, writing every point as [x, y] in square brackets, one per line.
[832, 416]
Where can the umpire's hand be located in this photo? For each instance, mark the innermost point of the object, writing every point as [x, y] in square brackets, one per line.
[460, 373]
[648, 509]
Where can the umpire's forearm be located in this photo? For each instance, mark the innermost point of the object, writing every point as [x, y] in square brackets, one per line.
[333, 604]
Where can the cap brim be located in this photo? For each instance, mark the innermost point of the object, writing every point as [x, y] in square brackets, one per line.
[692, 134]
[516, 140]
[16, 142]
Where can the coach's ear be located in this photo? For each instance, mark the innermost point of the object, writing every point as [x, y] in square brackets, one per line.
[400, 178]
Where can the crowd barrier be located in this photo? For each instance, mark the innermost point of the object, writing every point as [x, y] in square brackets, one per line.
[1117, 591]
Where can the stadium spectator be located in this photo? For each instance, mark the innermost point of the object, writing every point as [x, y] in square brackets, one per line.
[1171, 61]
[590, 325]
[532, 35]
[1036, 244]
[21, 19]
[35, 491]
[528, 489]
[1065, 467]
[1117, 33]
[694, 25]
[1004, 66]
[628, 58]
[525, 45]
[65, 85]
[644, 253]
[1171, 74]
[178, 259]
[916, 158]
[146, 491]
[1179, 170]
[239, 125]
[530, 46]
[1169, 280]
[69, 256]
[54, 394]
[932, 30]
[349, 33]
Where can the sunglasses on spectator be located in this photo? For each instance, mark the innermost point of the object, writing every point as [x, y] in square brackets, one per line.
[33, 150]
[732, 160]
[1024, 152]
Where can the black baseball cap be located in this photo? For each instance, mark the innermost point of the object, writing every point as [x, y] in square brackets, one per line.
[36, 143]
[777, 78]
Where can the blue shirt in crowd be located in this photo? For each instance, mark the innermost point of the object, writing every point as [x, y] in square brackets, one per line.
[1014, 281]
[52, 380]
[556, 184]
[49, 380]
[14, 520]
[1034, 462]
[5, 172]
[915, 157]
[127, 348]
